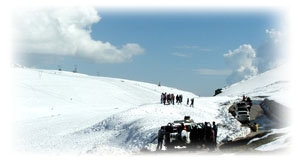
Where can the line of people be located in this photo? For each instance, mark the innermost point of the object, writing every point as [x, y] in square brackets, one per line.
[167, 98]
[170, 99]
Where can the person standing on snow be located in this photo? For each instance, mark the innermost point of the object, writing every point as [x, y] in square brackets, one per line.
[192, 102]
[173, 98]
[215, 128]
[180, 99]
[165, 98]
[206, 133]
[160, 138]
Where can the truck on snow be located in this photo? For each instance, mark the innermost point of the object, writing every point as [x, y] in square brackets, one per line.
[242, 112]
[188, 133]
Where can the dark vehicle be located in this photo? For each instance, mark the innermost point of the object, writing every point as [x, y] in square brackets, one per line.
[218, 91]
[188, 133]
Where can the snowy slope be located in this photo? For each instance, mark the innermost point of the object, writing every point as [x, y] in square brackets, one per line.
[67, 113]
[273, 84]
[52, 104]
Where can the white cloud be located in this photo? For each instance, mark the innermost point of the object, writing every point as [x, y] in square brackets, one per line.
[270, 54]
[66, 31]
[242, 63]
[246, 62]
[241, 73]
[242, 56]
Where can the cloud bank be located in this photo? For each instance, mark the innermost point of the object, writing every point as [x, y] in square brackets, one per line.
[246, 62]
[241, 61]
[271, 53]
[66, 31]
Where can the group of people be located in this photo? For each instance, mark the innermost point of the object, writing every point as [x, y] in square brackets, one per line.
[188, 101]
[168, 98]
[206, 135]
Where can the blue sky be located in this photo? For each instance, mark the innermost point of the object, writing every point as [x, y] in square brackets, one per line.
[178, 48]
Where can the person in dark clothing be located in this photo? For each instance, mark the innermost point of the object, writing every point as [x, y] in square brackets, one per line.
[211, 145]
[215, 128]
[187, 101]
[160, 138]
[249, 102]
[165, 98]
[177, 99]
[244, 98]
[207, 134]
[192, 102]
[173, 98]
[180, 99]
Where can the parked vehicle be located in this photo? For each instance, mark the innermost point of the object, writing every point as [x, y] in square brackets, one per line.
[241, 109]
[188, 133]
[243, 116]
[238, 106]
[241, 112]
[241, 105]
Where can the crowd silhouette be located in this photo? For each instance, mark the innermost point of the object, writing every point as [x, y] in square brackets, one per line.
[170, 98]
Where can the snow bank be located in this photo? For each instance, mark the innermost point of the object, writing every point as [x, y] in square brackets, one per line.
[274, 84]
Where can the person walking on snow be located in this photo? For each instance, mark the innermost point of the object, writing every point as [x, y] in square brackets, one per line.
[192, 102]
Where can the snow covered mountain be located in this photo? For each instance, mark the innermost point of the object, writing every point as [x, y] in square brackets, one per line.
[64, 113]
[274, 84]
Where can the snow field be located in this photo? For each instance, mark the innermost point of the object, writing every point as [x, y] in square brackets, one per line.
[63, 113]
